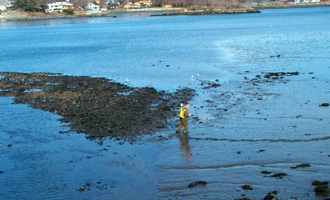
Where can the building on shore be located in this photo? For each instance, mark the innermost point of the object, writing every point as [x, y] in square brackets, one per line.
[59, 6]
[138, 4]
[4, 4]
[92, 8]
[306, 1]
[113, 4]
[3, 8]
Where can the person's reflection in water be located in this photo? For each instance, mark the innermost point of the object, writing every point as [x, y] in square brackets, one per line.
[185, 147]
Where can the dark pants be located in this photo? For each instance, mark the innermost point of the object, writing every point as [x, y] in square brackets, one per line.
[184, 123]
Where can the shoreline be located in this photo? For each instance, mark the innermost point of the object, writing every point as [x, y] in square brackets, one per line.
[153, 12]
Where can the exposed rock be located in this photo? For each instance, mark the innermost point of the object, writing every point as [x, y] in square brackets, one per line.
[276, 75]
[210, 84]
[96, 106]
[301, 166]
[270, 197]
[322, 190]
[319, 183]
[247, 187]
[87, 186]
[193, 184]
[324, 105]
[279, 175]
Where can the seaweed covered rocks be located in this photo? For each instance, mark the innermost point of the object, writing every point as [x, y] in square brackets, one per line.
[96, 106]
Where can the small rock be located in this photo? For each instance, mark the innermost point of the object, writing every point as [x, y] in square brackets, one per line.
[301, 165]
[322, 189]
[265, 172]
[247, 187]
[193, 184]
[324, 105]
[9, 145]
[81, 189]
[279, 175]
[270, 197]
[320, 183]
[88, 184]
[1, 172]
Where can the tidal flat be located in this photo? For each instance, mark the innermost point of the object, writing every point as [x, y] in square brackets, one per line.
[260, 124]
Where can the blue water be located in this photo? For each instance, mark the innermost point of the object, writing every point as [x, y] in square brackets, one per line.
[163, 52]
[144, 50]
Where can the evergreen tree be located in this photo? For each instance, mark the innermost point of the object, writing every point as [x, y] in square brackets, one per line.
[27, 5]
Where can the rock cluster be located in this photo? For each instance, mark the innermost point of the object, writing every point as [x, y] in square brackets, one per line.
[96, 106]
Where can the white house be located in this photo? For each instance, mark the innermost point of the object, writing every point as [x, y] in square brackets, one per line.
[92, 8]
[306, 1]
[3, 8]
[59, 6]
[4, 4]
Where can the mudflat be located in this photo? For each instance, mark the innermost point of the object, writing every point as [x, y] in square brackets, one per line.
[96, 106]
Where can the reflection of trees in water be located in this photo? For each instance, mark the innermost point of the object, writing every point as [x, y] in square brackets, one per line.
[185, 147]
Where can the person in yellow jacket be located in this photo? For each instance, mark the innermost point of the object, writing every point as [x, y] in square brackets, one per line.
[183, 119]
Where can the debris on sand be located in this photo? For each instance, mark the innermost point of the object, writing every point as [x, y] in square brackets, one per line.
[96, 106]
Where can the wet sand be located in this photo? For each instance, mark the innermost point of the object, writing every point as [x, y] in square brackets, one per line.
[267, 133]
[254, 136]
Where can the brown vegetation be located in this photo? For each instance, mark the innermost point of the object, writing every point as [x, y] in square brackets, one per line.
[96, 106]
